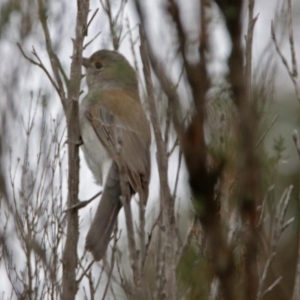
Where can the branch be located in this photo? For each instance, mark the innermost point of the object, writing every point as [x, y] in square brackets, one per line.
[90, 22]
[87, 44]
[166, 198]
[266, 132]
[54, 61]
[272, 286]
[69, 257]
[82, 204]
[39, 64]
[249, 42]
[292, 72]
[296, 289]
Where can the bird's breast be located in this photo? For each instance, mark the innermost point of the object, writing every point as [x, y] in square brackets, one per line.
[95, 154]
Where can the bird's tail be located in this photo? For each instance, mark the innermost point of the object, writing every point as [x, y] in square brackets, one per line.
[106, 216]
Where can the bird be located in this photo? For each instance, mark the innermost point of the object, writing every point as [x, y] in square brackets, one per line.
[115, 132]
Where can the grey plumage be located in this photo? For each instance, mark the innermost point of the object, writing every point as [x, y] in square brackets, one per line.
[112, 116]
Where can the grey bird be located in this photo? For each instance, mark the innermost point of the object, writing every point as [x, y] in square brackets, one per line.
[114, 129]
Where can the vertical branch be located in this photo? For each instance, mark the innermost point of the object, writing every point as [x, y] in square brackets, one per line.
[296, 290]
[291, 40]
[125, 198]
[249, 42]
[248, 195]
[203, 180]
[167, 201]
[54, 61]
[142, 223]
[115, 31]
[69, 259]
[293, 70]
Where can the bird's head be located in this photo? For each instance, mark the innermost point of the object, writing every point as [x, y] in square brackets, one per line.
[109, 70]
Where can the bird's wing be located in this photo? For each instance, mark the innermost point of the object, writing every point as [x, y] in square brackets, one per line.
[122, 127]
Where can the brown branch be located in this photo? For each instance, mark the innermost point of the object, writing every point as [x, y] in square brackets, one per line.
[264, 275]
[177, 174]
[296, 289]
[112, 263]
[195, 72]
[39, 64]
[164, 80]
[291, 40]
[293, 73]
[175, 144]
[214, 289]
[249, 42]
[69, 257]
[188, 240]
[87, 44]
[82, 204]
[125, 199]
[90, 22]
[113, 21]
[70, 104]
[166, 198]
[84, 273]
[266, 132]
[54, 61]
[249, 170]
[141, 230]
[272, 286]
[194, 150]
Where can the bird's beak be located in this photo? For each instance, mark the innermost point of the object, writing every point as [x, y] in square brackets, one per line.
[85, 62]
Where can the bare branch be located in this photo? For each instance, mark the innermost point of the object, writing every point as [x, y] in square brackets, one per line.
[82, 204]
[188, 240]
[293, 72]
[69, 257]
[266, 132]
[264, 275]
[54, 60]
[85, 271]
[90, 22]
[249, 42]
[272, 286]
[87, 44]
[291, 39]
[296, 289]
[162, 161]
[39, 64]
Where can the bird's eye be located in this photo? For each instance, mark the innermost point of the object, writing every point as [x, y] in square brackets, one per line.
[98, 65]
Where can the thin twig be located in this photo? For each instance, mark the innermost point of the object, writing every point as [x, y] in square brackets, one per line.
[69, 256]
[87, 44]
[112, 263]
[162, 161]
[54, 61]
[39, 64]
[176, 143]
[84, 203]
[187, 241]
[264, 275]
[125, 199]
[296, 289]
[177, 174]
[90, 21]
[291, 39]
[85, 271]
[272, 286]
[249, 42]
[266, 132]
[214, 289]
[293, 73]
